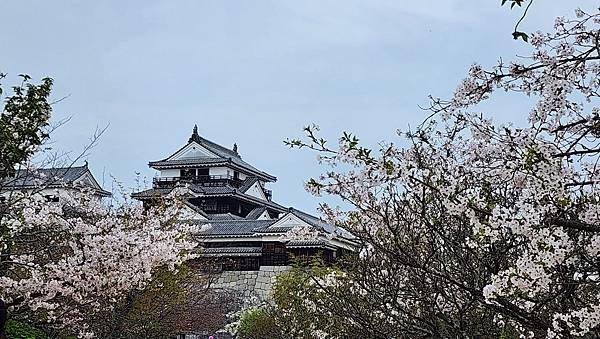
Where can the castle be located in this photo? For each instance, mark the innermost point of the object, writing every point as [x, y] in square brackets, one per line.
[248, 229]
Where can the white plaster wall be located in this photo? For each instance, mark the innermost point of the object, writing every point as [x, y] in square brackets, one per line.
[220, 171]
[256, 191]
[224, 170]
[191, 151]
[264, 216]
[169, 173]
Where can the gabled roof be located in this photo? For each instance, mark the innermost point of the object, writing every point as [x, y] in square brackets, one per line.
[247, 227]
[247, 183]
[55, 177]
[221, 151]
[314, 221]
[255, 213]
[196, 209]
[318, 222]
[214, 155]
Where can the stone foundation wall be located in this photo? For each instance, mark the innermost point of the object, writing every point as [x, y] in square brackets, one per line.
[249, 283]
[245, 284]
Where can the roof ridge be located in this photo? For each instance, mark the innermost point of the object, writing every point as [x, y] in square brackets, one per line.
[197, 138]
[59, 168]
[221, 148]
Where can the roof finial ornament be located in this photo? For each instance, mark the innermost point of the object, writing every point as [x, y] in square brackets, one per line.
[235, 148]
[195, 137]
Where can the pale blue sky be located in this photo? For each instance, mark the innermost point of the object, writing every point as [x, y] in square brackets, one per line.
[253, 72]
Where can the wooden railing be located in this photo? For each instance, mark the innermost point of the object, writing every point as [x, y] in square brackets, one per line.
[204, 180]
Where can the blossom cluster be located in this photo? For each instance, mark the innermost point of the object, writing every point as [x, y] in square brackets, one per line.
[65, 260]
[519, 203]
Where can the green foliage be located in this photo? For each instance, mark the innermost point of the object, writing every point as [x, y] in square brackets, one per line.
[23, 118]
[509, 332]
[22, 330]
[257, 323]
[512, 3]
[302, 303]
[353, 302]
[518, 34]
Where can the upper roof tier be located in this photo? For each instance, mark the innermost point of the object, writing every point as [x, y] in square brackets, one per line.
[200, 152]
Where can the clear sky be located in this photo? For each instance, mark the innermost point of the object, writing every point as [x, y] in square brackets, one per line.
[253, 72]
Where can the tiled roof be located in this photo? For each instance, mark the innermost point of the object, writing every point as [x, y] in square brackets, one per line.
[221, 151]
[253, 249]
[224, 216]
[322, 225]
[51, 177]
[255, 213]
[226, 189]
[306, 243]
[229, 224]
[231, 251]
[224, 155]
[190, 161]
[200, 190]
[196, 209]
[247, 183]
[235, 227]
[152, 192]
[278, 229]
[273, 205]
[243, 164]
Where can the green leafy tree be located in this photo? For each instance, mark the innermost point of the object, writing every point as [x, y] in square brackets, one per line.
[23, 330]
[308, 306]
[258, 323]
[23, 119]
[24, 115]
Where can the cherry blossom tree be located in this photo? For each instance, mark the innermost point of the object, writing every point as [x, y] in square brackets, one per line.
[476, 228]
[61, 261]
[172, 303]
[68, 258]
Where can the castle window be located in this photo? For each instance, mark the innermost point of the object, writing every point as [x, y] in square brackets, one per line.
[187, 172]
